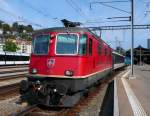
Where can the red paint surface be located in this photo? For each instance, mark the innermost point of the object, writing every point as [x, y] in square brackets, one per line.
[80, 65]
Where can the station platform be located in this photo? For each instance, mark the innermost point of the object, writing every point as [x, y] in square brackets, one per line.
[132, 93]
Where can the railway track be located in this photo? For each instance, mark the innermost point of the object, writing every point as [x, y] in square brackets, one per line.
[8, 91]
[12, 66]
[26, 110]
[37, 110]
[10, 76]
[9, 88]
[34, 110]
[6, 78]
[12, 72]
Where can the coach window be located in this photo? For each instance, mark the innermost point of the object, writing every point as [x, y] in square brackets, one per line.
[90, 47]
[82, 44]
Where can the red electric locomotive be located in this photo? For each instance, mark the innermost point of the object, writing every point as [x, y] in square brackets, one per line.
[64, 63]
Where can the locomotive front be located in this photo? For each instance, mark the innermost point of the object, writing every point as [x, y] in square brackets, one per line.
[53, 68]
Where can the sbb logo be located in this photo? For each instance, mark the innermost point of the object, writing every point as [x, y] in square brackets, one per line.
[50, 63]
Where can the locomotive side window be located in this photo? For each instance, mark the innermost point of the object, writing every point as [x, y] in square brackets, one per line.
[110, 53]
[66, 44]
[90, 47]
[99, 48]
[82, 44]
[41, 44]
[105, 51]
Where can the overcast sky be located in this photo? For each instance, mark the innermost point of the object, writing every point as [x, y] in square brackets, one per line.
[48, 13]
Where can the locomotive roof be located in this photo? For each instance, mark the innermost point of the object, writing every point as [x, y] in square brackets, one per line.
[63, 29]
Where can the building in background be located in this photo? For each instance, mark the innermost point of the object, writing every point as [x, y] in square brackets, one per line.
[1, 40]
[25, 46]
[148, 43]
[141, 54]
[18, 34]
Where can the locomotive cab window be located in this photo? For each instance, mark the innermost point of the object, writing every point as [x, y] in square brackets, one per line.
[83, 45]
[40, 44]
[66, 44]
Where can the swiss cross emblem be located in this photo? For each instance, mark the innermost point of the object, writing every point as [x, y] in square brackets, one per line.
[50, 63]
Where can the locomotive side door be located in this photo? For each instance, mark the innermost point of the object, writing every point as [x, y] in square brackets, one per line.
[90, 53]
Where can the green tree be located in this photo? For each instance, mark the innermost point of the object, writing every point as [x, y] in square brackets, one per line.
[10, 46]
[26, 37]
[29, 28]
[0, 25]
[15, 26]
[21, 28]
[6, 28]
[1, 22]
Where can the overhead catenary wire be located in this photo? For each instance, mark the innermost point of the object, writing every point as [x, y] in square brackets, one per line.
[119, 17]
[77, 6]
[145, 14]
[147, 10]
[41, 12]
[105, 4]
[72, 3]
[117, 1]
[104, 21]
[20, 17]
[78, 10]
[47, 15]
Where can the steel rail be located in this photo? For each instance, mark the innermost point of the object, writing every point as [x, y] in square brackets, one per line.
[13, 71]
[7, 89]
[12, 77]
[25, 111]
[35, 110]
[12, 66]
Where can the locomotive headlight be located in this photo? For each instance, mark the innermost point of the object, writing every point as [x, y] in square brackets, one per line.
[34, 71]
[69, 73]
[38, 85]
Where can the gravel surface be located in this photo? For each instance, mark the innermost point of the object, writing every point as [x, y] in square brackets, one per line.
[93, 106]
[10, 106]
